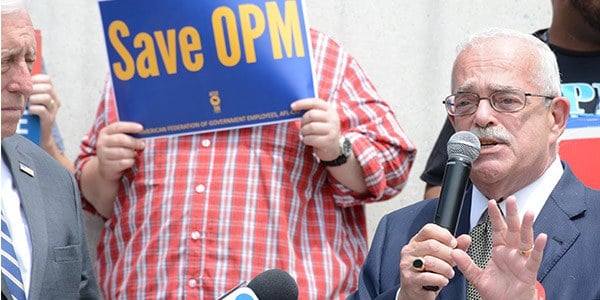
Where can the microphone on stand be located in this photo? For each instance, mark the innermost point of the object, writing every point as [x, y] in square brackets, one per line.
[272, 284]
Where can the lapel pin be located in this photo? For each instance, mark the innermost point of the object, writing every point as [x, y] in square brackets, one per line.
[27, 170]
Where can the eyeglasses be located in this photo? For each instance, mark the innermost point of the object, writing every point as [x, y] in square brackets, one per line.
[464, 104]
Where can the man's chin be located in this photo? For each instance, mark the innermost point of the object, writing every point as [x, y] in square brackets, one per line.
[488, 170]
[8, 129]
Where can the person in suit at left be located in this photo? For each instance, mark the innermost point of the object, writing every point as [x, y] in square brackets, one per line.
[506, 91]
[44, 246]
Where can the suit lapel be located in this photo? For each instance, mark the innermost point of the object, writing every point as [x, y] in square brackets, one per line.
[555, 219]
[24, 175]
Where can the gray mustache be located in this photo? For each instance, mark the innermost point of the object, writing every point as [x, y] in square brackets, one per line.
[492, 133]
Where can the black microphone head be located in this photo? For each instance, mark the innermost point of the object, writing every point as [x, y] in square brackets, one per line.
[274, 284]
[464, 145]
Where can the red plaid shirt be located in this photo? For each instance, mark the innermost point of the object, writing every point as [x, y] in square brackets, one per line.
[197, 214]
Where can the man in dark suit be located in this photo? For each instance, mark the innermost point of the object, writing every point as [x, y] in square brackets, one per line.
[506, 90]
[44, 247]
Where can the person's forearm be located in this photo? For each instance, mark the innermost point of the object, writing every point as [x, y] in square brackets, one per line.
[100, 192]
[53, 150]
[65, 161]
[350, 175]
[49, 145]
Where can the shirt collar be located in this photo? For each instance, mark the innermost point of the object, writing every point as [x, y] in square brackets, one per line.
[532, 197]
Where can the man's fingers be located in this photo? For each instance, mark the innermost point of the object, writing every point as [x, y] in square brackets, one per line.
[123, 127]
[309, 103]
[118, 153]
[438, 265]
[314, 116]
[432, 231]
[40, 99]
[466, 265]
[513, 223]
[41, 78]
[121, 141]
[464, 240]
[117, 135]
[498, 225]
[431, 279]
[526, 240]
[534, 261]
[41, 88]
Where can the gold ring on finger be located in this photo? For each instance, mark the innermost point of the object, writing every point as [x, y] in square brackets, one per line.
[527, 252]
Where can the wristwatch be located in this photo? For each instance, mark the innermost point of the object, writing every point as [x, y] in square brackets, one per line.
[346, 151]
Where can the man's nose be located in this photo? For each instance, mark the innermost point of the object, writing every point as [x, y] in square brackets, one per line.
[484, 115]
[19, 79]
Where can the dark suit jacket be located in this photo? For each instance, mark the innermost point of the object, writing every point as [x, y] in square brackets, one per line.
[570, 267]
[61, 266]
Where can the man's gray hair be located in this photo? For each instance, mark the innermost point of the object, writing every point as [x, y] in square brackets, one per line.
[544, 74]
[10, 6]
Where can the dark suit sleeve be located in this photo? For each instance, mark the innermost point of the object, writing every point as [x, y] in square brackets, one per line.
[374, 281]
[88, 287]
[380, 274]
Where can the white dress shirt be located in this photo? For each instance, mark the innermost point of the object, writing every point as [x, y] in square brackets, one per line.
[17, 223]
[532, 197]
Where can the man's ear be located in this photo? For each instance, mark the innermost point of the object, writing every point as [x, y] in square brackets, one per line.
[559, 114]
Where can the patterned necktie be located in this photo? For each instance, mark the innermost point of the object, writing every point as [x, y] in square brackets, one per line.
[480, 249]
[10, 265]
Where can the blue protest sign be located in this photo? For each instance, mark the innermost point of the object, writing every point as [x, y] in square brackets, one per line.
[186, 66]
[29, 127]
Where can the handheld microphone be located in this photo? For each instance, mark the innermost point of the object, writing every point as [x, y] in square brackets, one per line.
[272, 284]
[463, 149]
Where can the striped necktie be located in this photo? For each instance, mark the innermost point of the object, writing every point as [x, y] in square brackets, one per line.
[480, 249]
[10, 266]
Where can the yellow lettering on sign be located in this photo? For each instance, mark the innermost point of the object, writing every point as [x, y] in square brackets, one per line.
[160, 48]
[189, 39]
[147, 63]
[285, 31]
[226, 15]
[167, 50]
[125, 70]
[247, 12]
